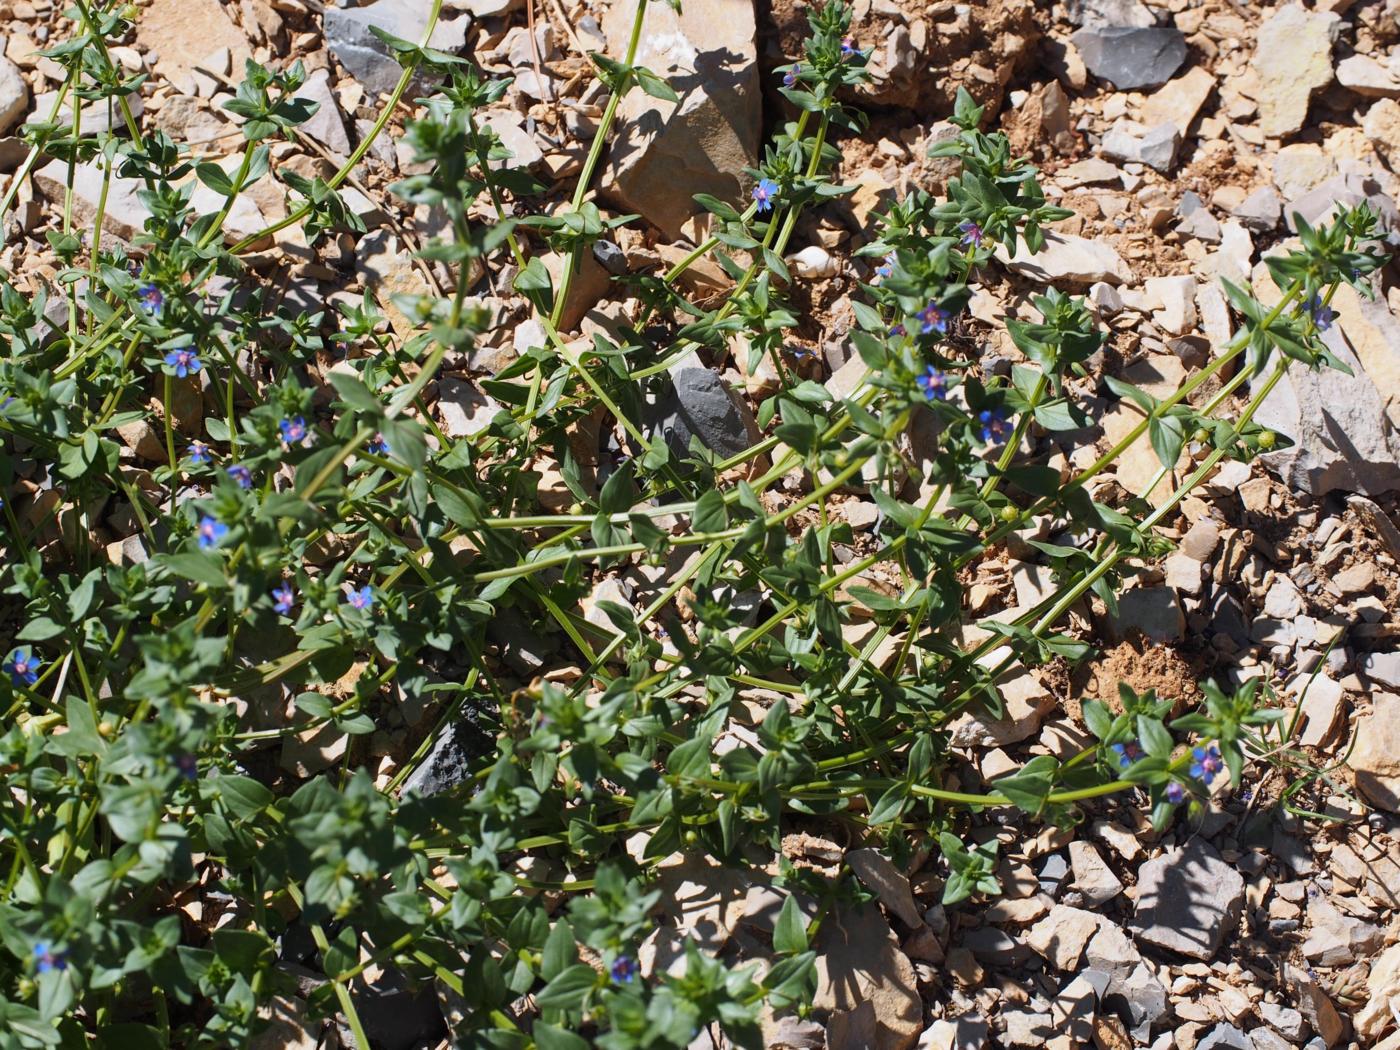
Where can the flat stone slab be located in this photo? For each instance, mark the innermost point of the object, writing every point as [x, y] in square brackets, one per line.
[1188, 900]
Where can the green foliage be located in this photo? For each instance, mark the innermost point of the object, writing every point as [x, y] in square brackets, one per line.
[326, 552]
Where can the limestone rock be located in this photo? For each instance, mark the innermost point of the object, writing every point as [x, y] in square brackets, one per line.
[1074, 260]
[183, 33]
[1293, 59]
[1366, 76]
[1156, 146]
[1178, 101]
[1062, 935]
[327, 125]
[1382, 1002]
[387, 270]
[1188, 900]
[1343, 438]
[124, 215]
[1376, 756]
[1129, 57]
[859, 961]
[664, 153]
[14, 95]
[348, 35]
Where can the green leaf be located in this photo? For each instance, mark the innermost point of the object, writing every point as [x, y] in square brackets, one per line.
[1028, 789]
[243, 795]
[569, 989]
[711, 515]
[790, 931]
[201, 568]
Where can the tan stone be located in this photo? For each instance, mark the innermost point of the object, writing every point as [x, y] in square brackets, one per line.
[1376, 755]
[1293, 58]
[183, 33]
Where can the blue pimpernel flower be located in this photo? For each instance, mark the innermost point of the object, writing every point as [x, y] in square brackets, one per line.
[933, 319]
[886, 266]
[765, 193]
[188, 766]
[848, 47]
[379, 446]
[790, 77]
[184, 362]
[994, 423]
[362, 598]
[1206, 762]
[23, 667]
[1322, 314]
[47, 958]
[293, 430]
[624, 969]
[211, 532]
[1127, 753]
[284, 599]
[971, 234]
[198, 452]
[934, 384]
[151, 298]
[241, 475]
[1176, 794]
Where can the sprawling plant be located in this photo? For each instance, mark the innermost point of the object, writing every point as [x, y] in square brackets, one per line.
[322, 552]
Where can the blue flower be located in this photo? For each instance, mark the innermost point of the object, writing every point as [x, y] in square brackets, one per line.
[23, 667]
[188, 766]
[765, 193]
[995, 425]
[379, 446]
[897, 330]
[933, 319]
[848, 47]
[198, 452]
[361, 599]
[285, 599]
[293, 430]
[624, 969]
[151, 298]
[47, 958]
[1322, 314]
[971, 234]
[1176, 794]
[1127, 753]
[184, 362]
[211, 532]
[1206, 762]
[934, 384]
[886, 266]
[790, 77]
[241, 475]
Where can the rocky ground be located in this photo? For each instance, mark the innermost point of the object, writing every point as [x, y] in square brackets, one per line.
[1184, 134]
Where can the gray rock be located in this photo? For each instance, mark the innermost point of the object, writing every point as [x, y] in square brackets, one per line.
[1313, 1003]
[14, 95]
[327, 125]
[1267, 1039]
[1260, 211]
[1382, 667]
[1092, 877]
[348, 35]
[1111, 13]
[1154, 611]
[664, 153]
[994, 946]
[1342, 437]
[610, 257]
[1287, 1020]
[1224, 1036]
[460, 744]
[1156, 147]
[1140, 998]
[1131, 58]
[1342, 191]
[1054, 873]
[1188, 901]
[702, 405]
[1196, 219]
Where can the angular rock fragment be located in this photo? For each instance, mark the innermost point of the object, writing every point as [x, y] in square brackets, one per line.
[1293, 59]
[1129, 57]
[1188, 900]
[663, 152]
